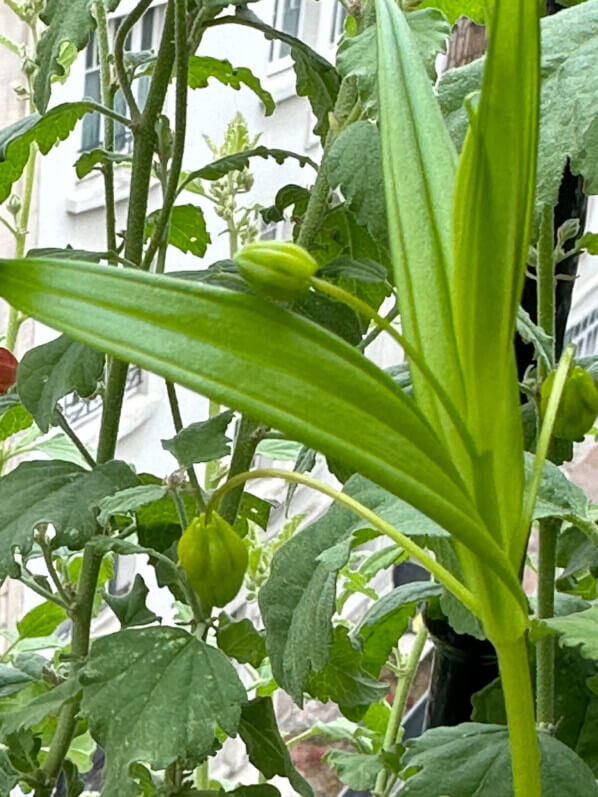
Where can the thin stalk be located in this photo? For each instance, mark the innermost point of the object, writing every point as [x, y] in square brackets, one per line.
[202, 775]
[43, 593]
[107, 94]
[400, 701]
[545, 648]
[177, 421]
[371, 336]
[119, 55]
[55, 578]
[72, 436]
[519, 704]
[546, 280]
[176, 163]
[458, 589]
[213, 466]
[415, 357]
[249, 434]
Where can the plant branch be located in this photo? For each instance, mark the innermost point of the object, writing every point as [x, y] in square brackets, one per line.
[182, 80]
[73, 437]
[55, 578]
[459, 590]
[43, 593]
[248, 437]
[119, 55]
[545, 648]
[371, 336]
[178, 425]
[546, 280]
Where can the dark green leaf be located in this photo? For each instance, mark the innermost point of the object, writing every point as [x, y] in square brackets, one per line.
[532, 333]
[265, 746]
[241, 640]
[254, 509]
[354, 164]
[298, 600]
[54, 492]
[129, 500]
[187, 229]
[289, 195]
[68, 253]
[334, 316]
[358, 771]
[53, 370]
[8, 775]
[139, 683]
[96, 158]
[344, 679]
[42, 620]
[201, 442]
[158, 524]
[202, 68]
[240, 160]
[462, 759]
[365, 269]
[13, 679]
[45, 131]
[577, 630]
[130, 608]
[255, 790]
[47, 704]
[387, 620]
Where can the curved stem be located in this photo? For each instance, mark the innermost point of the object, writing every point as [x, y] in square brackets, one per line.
[119, 55]
[546, 281]
[178, 425]
[43, 593]
[182, 79]
[545, 647]
[336, 292]
[458, 589]
[72, 436]
[519, 704]
[247, 439]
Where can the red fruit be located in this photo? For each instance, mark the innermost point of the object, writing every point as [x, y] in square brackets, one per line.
[8, 369]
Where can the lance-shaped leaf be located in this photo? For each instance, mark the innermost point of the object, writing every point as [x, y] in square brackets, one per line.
[255, 356]
[419, 165]
[492, 219]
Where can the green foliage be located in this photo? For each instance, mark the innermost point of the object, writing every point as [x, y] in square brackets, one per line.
[51, 371]
[459, 759]
[40, 708]
[265, 746]
[187, 230]
[97, 159]
[577, 630]
[130, 608]
[203, 67]
[241, 160]
[42, 620]
[241, 640]
[474, 9]
[135, 685]
[356, 770]
[202, 441]
[54, 492]
[13, 416]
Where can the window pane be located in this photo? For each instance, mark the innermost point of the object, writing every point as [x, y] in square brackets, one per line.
[120, 131]
[90, 137]
[289, 23]
[147, 30]
[91, 59]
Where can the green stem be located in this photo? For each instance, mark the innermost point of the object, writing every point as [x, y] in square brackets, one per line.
[55, 578]
[546, 280]
[371, 336]
[119, 55]
[43, 593]
[415, 357]
[400, 701]
[213, 466]
[249, 434]
[545, 648]
[75, 440]
[107, 94]
[202, 775]
[458, 589]
[177, 421]
[182, 79]
[519, 704]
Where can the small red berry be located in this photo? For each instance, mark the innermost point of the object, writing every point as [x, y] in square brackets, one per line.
[8, 369]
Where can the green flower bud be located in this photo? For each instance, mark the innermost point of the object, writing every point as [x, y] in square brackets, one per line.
[281, 269]
[579, 405]
[214, 558]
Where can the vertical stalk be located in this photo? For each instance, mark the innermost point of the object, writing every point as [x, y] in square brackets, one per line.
[249, 434]
[517, 690]
[399, 703]
[546, 280]
[545, 648]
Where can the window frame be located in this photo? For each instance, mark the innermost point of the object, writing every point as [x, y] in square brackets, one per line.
[277, 62]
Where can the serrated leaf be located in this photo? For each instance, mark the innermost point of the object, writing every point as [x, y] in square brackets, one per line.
[577, 630]
[386, 621]
[13, 679]
[45, 705]
[137, 683]
[8, 775]
[462, 759]
[358, 771]
[130, 608]
[241, 640]
[298, 601]
[129, 500]
[344, 679]
[203, 67]
[365, 270]
[354, 163]
[51, 371]
[266, 748]
[532, 333]
[187, 229]
[201, 442]
[56, 492]
[45, 131]
[42, 620]
[95, 158]
[241, 160]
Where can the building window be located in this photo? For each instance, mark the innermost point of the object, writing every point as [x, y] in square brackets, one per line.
[338, 22]
[287, 15]
[144, 36]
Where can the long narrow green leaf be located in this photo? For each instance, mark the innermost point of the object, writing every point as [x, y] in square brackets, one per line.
[420, 165]
[257, 357]
[492, 219]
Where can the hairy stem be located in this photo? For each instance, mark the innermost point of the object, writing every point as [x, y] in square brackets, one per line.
[119, 55]
[249, 434]
[177, 421]
[72, 436]
[546, 280]
[545, 648]
[517, 690]
[458, 589]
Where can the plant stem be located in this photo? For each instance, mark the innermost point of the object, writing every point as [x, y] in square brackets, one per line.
[545, 648]
[55, 578]
[371, 336]
[546, 280]
[178, 425]
[400, 701]
[458, 589]
[99, 11]
[212, 467]
[43, 593]
[79, 445]
[119, 55]
[202, 775]
[249, 434]
[517, 690]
